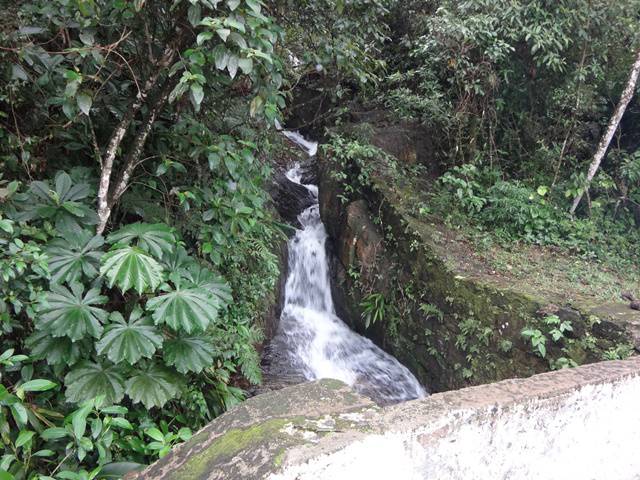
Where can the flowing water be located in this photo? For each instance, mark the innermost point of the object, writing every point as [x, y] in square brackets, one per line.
[311, 340]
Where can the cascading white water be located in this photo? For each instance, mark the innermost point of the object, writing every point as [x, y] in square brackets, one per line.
[318, 344]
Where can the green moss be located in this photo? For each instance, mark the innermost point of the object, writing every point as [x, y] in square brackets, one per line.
[230, 444]
[279, 458]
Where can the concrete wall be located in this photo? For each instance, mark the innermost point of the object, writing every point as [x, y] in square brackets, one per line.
[582, 423]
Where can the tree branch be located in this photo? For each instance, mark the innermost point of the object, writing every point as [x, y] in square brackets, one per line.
[625, 98]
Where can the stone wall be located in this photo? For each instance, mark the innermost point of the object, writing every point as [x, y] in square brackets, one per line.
[471, 332]
[580, 423]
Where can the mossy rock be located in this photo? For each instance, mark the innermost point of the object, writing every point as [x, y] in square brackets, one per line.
[250, 440]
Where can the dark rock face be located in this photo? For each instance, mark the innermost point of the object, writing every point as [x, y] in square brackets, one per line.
[290, 198]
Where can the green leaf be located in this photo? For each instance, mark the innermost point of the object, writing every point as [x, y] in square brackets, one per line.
[117, 470]
[246, 65]
[201, 277]
[156, 239]
[89, 380]
[24, 437]
[71, 313]
[84, 102]
[38, 385]
[232, 65]
[190, 309]
[188, 354]
[155, 434]
[223, 33]
[121, 423]
[197, 94]
[153, 387]
[54, 433]
[203, 37]
[55, 350]
[129, 341]
[6, 225]
[131, 267]
[70, 258]
[194, 14]
[233, 4]
[6, 476]
[254, 5]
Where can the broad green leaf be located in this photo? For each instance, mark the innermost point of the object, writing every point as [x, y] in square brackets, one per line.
[153, 387]
[84, 101]
[156, 239]
[254, 5]
[232, 65]
[178, 259]
[88, 380]
[190, 309]
[70, 258]
[246, 65]
[155, 434]
[54, 433]
[117, 470]
[203, 37]
[38, 385]
[129, 341]
[24, 437]
[201, 277]
[197, 94]
[223, 33]
[131, 267]
[72, 313]
[56, 351]
[188, 354]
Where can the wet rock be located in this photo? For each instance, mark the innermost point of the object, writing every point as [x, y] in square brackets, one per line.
[290, 198]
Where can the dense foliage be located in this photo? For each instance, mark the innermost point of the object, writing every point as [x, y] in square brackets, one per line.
[518, 95]
[137, 243]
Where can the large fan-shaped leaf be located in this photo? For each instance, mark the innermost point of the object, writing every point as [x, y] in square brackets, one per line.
[153, 387]
[188, 354]
[89, 380]
[178, 259]
[190, 309]
[56, 351]
[201, 277]
[72, 313]
[64, 203]
[69, 258]
[129, 341]
[154, 238]
[131, 267]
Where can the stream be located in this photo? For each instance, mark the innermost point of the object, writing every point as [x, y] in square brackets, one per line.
[311, 341]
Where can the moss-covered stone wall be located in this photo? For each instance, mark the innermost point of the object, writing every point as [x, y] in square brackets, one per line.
[451, 328]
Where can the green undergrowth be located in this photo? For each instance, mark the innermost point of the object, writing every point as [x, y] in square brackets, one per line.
[459, 303]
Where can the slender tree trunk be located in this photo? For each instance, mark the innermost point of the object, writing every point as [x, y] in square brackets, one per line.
[627, 94]
[104, 204]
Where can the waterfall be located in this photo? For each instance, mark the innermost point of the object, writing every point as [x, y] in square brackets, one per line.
[311, 339]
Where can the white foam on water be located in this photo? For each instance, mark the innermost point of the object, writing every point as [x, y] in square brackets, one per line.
[320, 344]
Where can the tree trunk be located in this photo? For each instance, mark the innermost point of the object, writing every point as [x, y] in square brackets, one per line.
[626, 97]
[104, 204]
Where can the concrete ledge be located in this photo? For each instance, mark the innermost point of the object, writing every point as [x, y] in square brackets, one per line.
[581, 423]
